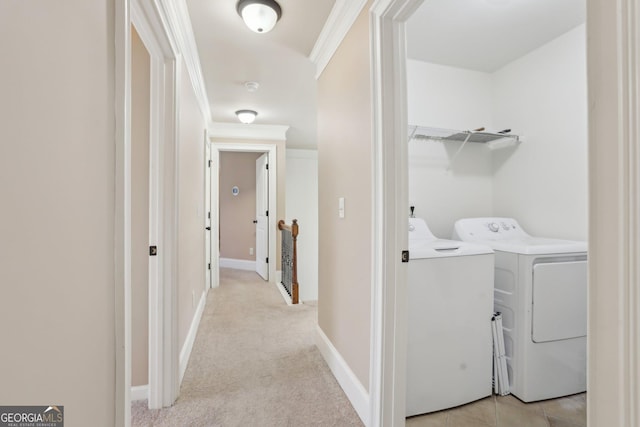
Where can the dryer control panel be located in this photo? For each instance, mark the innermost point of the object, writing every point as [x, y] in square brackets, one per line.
[478, 229]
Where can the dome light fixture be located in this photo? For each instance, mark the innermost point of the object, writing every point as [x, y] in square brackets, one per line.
[246, 116]
[259, 15]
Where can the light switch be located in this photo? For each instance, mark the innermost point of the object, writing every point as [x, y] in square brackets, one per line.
[341, 207]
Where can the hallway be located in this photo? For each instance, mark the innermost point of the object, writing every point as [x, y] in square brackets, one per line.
[244, 370]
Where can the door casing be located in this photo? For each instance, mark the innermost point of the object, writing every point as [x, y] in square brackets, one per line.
[271, 150]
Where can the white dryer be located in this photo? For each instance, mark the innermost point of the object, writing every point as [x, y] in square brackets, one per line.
[541, 290]
[449, 354]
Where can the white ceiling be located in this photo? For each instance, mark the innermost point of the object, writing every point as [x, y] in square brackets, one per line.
[485, 35]
[231, 54]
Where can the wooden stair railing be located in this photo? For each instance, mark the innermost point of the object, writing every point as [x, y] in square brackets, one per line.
[290, 258]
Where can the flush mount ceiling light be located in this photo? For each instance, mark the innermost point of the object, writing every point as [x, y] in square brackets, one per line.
[259, 15]
[246, 116]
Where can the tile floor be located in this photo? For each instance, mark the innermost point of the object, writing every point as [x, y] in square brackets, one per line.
[508, 411]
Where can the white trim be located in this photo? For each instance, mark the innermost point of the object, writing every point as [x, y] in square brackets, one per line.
[122, 222]
[353, 388]
[140, 392]
[242, 131]
[187, 347]
[179, 27]
[238, 264]
[149, 20]
[338, 24]
[285, 294]
[387, 374]
[613, 66]
[271, 149]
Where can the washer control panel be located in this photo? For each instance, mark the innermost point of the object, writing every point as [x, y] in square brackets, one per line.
[472, 229]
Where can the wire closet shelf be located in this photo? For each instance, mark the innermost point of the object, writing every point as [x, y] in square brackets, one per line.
[478, 135]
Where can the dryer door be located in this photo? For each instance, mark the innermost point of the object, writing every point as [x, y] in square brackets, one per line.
[559, 301]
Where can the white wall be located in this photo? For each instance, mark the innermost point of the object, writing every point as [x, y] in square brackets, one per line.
[448, 97]
[543, 181]
[543, 96]
[440, 190]
[302, 204]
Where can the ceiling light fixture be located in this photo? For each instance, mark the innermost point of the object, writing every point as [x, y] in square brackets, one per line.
[259, 15]
[246, 116]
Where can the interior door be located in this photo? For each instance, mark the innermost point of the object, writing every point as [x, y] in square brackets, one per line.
[262, 216]
[207, 215]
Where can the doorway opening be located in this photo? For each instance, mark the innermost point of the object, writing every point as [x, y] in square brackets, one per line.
[391, 202]
[244, 207]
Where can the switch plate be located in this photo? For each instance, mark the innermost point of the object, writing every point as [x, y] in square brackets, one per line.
[250, 251]
[341, 207]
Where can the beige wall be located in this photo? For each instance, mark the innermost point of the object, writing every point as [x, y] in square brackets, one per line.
[140, 102]
[281, 186]
[57, 187]
[344, 170]
[191, 262]
[237, 230]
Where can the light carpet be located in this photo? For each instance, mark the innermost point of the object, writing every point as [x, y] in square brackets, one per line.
[254, 363]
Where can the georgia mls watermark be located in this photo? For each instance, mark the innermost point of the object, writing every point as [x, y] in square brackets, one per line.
[32, 416]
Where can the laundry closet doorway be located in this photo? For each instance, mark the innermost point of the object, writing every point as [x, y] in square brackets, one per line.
[392, 195]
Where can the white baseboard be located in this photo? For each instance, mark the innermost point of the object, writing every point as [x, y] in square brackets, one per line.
[238, 264]
[284, 293]
[185, 353]
[353, 388]
[140, 392]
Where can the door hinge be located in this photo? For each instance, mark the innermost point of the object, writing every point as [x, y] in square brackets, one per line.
[267, 213]
[267, 260]
[267, 166]
[405, 256]
[209, 266]
[153, 250]
[209, 215]
[209, 163]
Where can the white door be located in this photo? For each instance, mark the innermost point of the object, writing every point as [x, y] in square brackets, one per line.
[208, 262]
[215, 217]
[262, 216]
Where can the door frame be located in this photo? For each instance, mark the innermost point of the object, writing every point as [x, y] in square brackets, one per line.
[390, 200]
[148, 20]
[614, 216]
[164, 195]
[271, 150]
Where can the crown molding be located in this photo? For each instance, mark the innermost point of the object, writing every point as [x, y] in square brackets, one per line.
[339, 22]
[252, 131]
[178, 24]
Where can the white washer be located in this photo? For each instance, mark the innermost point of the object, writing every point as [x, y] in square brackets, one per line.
[450, 288]
[541, 290]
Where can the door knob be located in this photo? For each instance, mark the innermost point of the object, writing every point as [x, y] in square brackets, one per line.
[208, 228]
[255, 221]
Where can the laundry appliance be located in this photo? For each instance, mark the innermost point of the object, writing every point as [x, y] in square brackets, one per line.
[450, 289]
[541, 291]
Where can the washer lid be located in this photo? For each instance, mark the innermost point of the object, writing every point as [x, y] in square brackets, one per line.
[506, 235]
[441, 248]
[537, 246]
